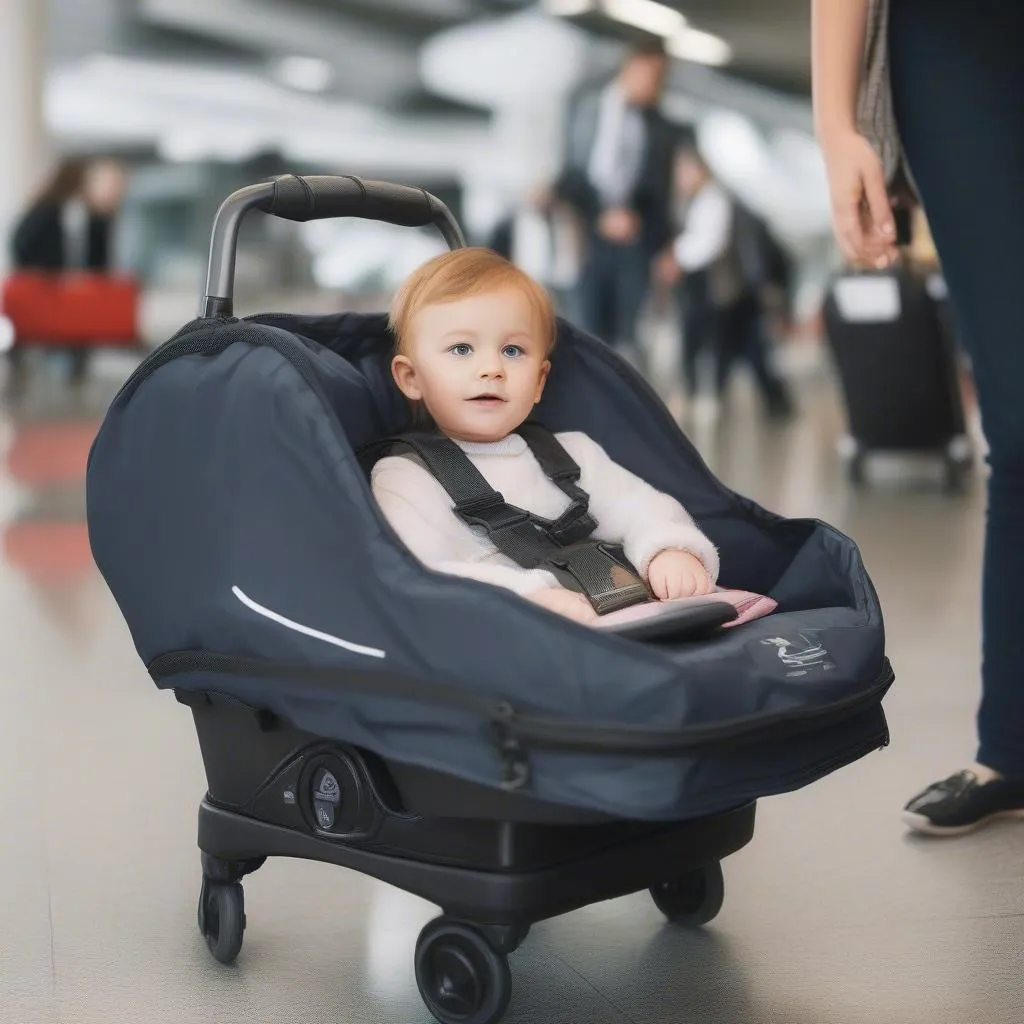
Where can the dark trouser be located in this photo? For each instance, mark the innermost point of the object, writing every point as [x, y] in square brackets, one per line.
[613, 285]
[743, 337]
[726, 334]
[702, 330]
[78, 356]
[958, 82]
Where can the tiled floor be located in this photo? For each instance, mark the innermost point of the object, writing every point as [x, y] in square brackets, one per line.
[832, 916]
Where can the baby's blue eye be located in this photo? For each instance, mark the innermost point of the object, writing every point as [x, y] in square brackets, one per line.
[513, 351]
[463, 348]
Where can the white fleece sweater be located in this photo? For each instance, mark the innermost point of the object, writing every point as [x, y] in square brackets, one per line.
[628, 511]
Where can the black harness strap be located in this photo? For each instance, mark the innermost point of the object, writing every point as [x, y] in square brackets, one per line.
[515, 532]
[561, 469]
[564, 546]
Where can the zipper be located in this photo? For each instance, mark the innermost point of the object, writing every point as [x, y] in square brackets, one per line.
[557, 734]
[877, 741]
[516, 773]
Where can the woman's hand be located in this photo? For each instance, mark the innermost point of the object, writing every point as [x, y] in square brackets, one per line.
[564, 602]
[861, 208]
[678, 574]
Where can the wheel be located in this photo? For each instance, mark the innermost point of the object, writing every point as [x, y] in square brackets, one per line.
[461, 978]
[222, 918]
[692, 899]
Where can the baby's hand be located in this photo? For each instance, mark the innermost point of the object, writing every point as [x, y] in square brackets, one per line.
[678, 574]
[564, 602]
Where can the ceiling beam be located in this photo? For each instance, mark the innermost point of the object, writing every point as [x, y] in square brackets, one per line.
[369, 65]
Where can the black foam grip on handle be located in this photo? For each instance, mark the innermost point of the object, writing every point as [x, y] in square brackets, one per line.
[319, 196]
[316, 197]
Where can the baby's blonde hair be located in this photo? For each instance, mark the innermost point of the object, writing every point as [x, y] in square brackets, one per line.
[461, 273]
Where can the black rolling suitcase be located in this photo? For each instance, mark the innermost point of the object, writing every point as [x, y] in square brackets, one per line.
[897, 367]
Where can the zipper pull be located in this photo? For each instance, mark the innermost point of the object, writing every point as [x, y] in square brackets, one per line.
[515, 768]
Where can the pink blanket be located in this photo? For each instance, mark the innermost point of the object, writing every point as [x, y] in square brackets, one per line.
[749, 606]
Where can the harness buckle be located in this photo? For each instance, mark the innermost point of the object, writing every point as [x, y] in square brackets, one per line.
[603, 574]
[491, 512]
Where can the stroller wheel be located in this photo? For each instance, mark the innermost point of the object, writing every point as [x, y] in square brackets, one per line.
[461, 978]
[222, 918]
[692, 899]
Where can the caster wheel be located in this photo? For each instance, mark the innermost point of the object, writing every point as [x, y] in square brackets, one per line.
[694, 898]
[222, 918]
[461, 978]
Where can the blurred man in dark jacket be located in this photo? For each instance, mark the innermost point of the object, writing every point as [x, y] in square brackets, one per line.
[618, 176]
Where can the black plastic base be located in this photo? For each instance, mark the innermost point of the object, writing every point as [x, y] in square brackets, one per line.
[481, 854]
[608, 870]
[495, 862]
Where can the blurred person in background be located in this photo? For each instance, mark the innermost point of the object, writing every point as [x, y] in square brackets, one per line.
[767, 274]
[68, 226]
[543, 236]
[721, 263]
[618, 177]
[937, 87]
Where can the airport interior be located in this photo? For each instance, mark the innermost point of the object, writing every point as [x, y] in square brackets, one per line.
[835, 909]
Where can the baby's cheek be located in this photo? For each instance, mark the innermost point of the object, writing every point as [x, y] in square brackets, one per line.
[443, 398]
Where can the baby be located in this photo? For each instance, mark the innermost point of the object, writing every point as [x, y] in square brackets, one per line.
[474, 336]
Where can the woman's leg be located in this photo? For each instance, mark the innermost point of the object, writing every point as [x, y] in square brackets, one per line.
[958, 83]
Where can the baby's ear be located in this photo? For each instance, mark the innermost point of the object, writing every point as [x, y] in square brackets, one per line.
[545, 369]
[405, 377]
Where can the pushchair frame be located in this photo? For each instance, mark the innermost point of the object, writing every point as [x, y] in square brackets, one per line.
[495, 862]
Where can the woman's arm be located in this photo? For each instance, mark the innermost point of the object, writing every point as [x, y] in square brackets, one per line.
[861, 211]
[837, 54]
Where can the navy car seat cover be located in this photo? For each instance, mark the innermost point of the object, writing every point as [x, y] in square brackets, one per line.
[236, 529]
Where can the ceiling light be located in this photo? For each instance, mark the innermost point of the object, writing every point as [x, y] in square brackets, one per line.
[646, 15]
[568, 8]
[308, 74]
[699, 47]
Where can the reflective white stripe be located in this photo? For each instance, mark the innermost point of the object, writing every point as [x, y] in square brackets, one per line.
[371, 652]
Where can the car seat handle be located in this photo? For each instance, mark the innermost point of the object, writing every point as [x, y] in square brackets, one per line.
[315, 197]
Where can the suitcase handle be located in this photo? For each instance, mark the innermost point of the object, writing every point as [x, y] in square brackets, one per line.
[315, 197]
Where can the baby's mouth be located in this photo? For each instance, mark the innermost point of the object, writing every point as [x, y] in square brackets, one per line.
[487, 398]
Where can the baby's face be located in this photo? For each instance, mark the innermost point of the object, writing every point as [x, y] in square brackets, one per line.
[478, 364]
